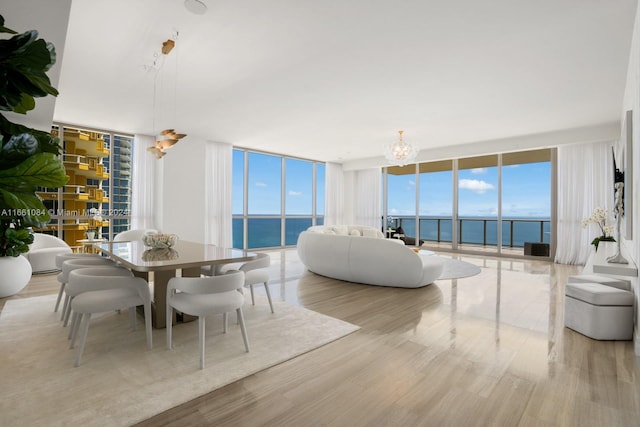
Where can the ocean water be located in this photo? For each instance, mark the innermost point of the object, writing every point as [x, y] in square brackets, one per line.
[267, 232]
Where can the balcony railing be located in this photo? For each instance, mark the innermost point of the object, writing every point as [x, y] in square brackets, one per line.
[480, 231]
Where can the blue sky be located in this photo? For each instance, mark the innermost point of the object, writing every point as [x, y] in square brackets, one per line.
[525, 192]
[525, 189]
[265, 185]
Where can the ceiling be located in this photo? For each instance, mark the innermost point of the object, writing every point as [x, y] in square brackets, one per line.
[334, 80]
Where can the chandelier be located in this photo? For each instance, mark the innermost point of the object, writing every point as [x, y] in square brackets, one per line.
[168, 137]
[400, 152]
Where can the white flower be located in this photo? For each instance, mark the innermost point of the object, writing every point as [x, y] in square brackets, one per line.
[600, 217]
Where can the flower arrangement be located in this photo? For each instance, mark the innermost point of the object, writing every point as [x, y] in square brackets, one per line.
[600, 217]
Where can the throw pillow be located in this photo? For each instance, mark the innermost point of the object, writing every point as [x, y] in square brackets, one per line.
[341, 229]
[355, 233]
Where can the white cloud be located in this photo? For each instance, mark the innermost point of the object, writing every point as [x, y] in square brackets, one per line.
[260, 184]
[475, 185]
[478, 171]
[412, 183]
[295, 193]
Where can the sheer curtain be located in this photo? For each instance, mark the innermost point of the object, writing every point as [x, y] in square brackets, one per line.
[585, 181]
[334, 194]
[218, 179]
[367, 188]
[143, 178]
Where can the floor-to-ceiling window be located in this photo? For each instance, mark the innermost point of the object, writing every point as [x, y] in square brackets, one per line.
[435, 199]
[97, 196]
[526, 201]
[401, 199]
[477, 201]
[498, 203]
[275, 198]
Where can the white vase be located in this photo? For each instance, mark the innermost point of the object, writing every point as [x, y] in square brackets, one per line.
[91, 235]
[16, 272]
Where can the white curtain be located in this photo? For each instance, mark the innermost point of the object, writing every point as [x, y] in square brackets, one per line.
[334, 194]
[585, 181]
[218, 180]
[143, 178]
[367, 188]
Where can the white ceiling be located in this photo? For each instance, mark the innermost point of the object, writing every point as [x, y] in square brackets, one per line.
[334, 80]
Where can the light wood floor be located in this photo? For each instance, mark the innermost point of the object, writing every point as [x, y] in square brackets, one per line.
[484, 350]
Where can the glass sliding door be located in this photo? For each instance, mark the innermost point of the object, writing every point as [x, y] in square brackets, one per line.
[526, 202]
[298, 198]
[478, 203]
[264, 200]
[401, 200]
[435, 202]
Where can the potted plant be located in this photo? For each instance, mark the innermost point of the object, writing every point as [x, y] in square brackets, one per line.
[28, 157]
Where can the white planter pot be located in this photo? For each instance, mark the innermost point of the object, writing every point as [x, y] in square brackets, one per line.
[16, 272]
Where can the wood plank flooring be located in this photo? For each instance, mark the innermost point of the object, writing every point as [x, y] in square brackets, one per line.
[484, 350]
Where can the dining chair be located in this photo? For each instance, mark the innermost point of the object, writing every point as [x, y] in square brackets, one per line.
[111, 289]
[68, 263]
[255, 273]
[133, 235]
[205, 296]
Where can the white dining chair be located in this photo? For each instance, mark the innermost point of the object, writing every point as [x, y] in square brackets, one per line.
[206, 296]
[255, 272]
[111, 290]
[70, 264]
[60, 259]
[133, 235]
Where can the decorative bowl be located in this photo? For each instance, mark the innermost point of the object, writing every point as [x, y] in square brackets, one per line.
[159, 240]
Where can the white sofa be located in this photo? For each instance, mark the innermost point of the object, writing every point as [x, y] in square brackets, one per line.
[361, 254]
[42, 252]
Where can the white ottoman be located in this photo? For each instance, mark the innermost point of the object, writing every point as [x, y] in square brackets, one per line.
[604, 280]
[598, 311]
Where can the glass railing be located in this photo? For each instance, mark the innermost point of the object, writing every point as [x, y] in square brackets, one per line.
[478, 231]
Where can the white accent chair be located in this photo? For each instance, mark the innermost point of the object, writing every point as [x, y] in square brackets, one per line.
[42, 252]
[205, 296]
[133, 235]
[112, 289]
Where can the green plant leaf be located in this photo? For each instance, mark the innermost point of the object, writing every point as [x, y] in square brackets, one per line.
[4, 29]
[39, 170]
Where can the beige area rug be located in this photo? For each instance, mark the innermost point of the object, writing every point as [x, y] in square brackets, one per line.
[120, 382]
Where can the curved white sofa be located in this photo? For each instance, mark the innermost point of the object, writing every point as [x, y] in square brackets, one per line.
[341, 253]
[42, 252]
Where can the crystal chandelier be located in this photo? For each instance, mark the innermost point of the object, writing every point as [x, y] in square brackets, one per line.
[400, 152]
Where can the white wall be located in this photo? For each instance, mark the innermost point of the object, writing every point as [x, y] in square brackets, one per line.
[50, 19]
[632, 102]
[183, 189]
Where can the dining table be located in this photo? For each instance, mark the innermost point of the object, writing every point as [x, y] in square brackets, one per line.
[159, 265]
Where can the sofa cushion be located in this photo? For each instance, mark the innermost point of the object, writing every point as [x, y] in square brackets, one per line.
[369, 232]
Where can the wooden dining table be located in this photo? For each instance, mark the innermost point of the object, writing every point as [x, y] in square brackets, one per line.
[158, 266]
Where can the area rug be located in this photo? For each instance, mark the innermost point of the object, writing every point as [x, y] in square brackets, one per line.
[456, 269]
[120, 382]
